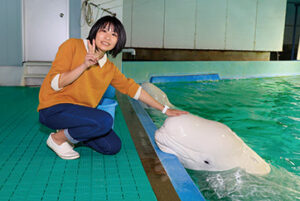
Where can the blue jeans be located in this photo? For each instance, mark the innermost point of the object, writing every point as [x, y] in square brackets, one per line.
[91, 126]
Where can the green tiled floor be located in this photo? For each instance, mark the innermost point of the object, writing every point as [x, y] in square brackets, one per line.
[29, 170]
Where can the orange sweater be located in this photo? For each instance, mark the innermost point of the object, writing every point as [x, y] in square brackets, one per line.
[89, 88]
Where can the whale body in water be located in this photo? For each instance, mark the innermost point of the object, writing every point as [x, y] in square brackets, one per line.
[202, 144]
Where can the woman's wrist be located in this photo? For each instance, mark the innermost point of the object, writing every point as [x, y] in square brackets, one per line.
[84, 65]
[165, 109]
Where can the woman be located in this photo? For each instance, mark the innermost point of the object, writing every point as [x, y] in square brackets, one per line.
[75, 84]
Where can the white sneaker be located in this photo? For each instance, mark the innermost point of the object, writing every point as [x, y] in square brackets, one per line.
[65, 150]
[73, 145]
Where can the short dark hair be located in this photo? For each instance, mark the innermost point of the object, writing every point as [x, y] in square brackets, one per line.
[118, 28]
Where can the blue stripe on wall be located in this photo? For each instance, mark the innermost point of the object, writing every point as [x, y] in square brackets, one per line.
[3, 34]
[10, 34]
[75, 13]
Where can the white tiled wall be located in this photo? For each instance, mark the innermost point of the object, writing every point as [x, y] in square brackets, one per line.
[254, 25]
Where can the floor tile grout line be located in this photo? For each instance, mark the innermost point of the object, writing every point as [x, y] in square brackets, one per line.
[13, 123]
[14, 150]
[14, 165]
[49, 176]
[30, 160]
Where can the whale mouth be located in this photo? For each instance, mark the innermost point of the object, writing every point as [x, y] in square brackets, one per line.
[252, 163]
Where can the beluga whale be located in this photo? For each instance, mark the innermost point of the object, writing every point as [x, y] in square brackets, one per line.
[202, 144]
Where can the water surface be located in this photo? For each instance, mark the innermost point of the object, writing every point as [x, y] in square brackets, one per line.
[265, 113]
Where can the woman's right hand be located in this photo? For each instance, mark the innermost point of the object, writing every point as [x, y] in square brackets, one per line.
[90, 58]
[68, 77]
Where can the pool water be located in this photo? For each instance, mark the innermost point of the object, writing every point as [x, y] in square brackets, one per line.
[265, 113]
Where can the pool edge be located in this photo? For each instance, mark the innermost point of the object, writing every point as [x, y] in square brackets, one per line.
[182, 182]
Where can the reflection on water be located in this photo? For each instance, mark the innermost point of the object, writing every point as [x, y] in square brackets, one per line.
[236, 184]
[265, 113]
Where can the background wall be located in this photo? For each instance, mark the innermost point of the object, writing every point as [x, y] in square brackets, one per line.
[11, 33]
[255, 25]
[289, 24]
[214, 24]
[289, 29]
[11, 30]
[11, 60]
[74, 25]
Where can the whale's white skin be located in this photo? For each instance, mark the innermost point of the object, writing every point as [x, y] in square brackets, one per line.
[156, 93]
[202, 144]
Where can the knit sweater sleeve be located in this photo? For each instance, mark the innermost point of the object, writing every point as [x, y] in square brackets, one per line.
[63, 58]
[125, 85]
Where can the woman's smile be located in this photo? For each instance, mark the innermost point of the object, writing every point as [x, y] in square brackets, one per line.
[105, 43]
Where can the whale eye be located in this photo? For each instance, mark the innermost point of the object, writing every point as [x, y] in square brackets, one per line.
[206, 162]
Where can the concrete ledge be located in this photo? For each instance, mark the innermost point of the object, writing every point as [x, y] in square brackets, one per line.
[143, 71]
[10, 75]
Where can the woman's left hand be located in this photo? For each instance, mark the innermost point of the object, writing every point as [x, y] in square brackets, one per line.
[174, 112]
[149, 100]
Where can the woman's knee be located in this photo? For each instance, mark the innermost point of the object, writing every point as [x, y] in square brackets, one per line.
[109, 144]
[104, 122]
[114, 148]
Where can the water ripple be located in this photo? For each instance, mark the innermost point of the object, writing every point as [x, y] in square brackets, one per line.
[265, 114]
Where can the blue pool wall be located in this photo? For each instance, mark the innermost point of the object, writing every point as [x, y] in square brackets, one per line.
[183, 184]
[142, 71]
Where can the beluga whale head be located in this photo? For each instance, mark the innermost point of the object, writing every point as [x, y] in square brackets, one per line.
[202, 144]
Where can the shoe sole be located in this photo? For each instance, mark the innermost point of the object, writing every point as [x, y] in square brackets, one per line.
[68, 158]
[64, 157]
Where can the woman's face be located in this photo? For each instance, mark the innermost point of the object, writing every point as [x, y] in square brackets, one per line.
[106, 39]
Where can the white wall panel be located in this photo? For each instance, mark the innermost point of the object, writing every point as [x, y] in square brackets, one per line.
[147, 23]
[127, 14]
[270, 20]
[211, 24]
[46, 26]
[240, 25]
[180, 20]
[248, 25]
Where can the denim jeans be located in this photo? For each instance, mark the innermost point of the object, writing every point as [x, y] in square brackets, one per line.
[91, 126]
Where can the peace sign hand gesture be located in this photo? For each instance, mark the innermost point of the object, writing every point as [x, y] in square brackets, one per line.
[91, 58]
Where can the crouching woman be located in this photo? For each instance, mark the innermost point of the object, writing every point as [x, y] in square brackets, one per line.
[75, 84]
